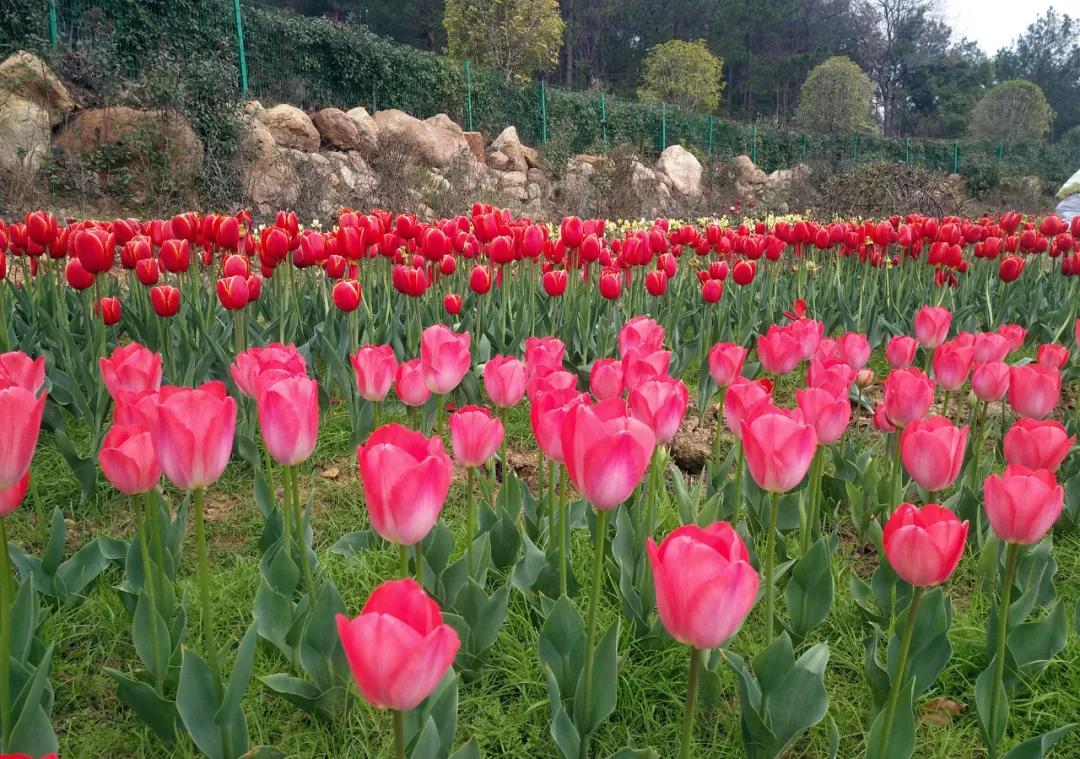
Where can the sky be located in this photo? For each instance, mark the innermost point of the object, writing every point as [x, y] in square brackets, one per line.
[993, 24]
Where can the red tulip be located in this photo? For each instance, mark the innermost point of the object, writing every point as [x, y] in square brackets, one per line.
[779, 351]
[1022, 504]
[640, 334]
[21, 412]
[128, 459]
[131, 368]
[1034, 390]
[175, 256]
[555, 282]
[193, 435]
[409, 383]
[606, 451]
[990, 381]
[610, 285]
[77, 276]
[542, 353]
[778, 448]
[855, 349]
[444, 358]
[924, 545]
[932, 326]
[827, 413]
[743, 272]
[452, 304]
[347, 295]
[1052, 355]
[505, 381]
[1037, 444]
[550, 380]
[480, 279]
[726, 363]
[406, 478]
[475, 435]
[247, 366]
[661, 404]
[705, 584]
[1010, 268]
[909, 394]
[809, 334]
[932, 450]
[656, 283]
[19, 370]
[233, 292]
[881, 420]
[10, 498]
[147, 271]
[832, 374]
[95, 249]
[288, 408]
[165, 300]
[399, 648]
[952, 362]
[374, 367]
[606, 378]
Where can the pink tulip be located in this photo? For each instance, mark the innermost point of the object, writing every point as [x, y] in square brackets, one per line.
[827, 413]
[547, 413]
[193, 435]
[881, 420]
[1022, 504]
[1037, 444]
[640, 334]
[288, 406]
[900, 351]
[726, 362]
[990, 347]
[832, 374]
[247, 366]
[21, 413]
[475, 435]
[932, 326]
[661, 404]
[808, 333]
[136, 409]
[952, 362]
[399, 648]
[1052, 355]
[11, 497]
[779, 351]
[543, 352]
[1034, 390]
[932, 450]
[827, 348]
[16, 368]
[908, 395]
[406, 478]
[924, 545]
[128, 460]
[778, 449]
[606, 378]
[855, 349]
[131, 368]
[409, 383]
[705, 584]
[637, 365]
[551, 380]
[990, 381]
[505, 381]
[740, 399]
[374, 367]
[606, 451]
[444, 358]
[1015, 334]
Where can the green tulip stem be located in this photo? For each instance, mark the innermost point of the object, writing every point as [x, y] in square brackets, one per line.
[564, 533]
[719, 426]
[1012, 557]
[770, 561]
[691, 699]
[419, 559]
[740, 464]
[301, 537]
[901, 671]
[198, 498]
[594, 603]
[470, 515]
[403, 559]
[142, 523]
[6, 600]
[399, 734]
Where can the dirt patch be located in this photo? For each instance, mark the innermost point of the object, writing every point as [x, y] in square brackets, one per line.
[693, 444]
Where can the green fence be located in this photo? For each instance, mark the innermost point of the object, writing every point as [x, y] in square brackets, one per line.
[276, 55]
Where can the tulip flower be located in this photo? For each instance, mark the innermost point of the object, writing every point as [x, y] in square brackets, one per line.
[131, 368]
[932, 326]
[779, 351]
[444, 358]
[908, 395]
[1022, 504]
[556, 379]
[1034, 390]
[165, 300]
[21, 411]
[541, 353]
[233, 292]
[1052, 355]
[288, 407]
[374, 367]
[347, 295]
[952, 362]
[475, 435]
[555, 283]
[10, 498]
[705, 586]
[642, 334]
[108, 310]
[398, 649]
[128, 459]
[606, 378]
[19, 370]
[248, 365]
[932, 450]
[505, 380]
[409, 383]
[726, 362]
[990, 381]
[990, 347]
[638, 365]
[1037, 444]
[900, 351]
[661, 404]
[1015, 334]
[855, 349]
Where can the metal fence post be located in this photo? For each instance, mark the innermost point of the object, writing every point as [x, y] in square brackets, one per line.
[663, 126]
[907, 149]
[805, 150]
[1001, 150]
[543, 112]
[603, 119]
[54, 33]
[709, 147]
[855, 148]
[956, 156]
[753, 142]
[240, 47]
[468, 95]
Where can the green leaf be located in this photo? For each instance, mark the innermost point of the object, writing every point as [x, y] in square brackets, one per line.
[1033, 645]
[230, 713]
[142, 631]
[81, 569]
[197, 705]
[563, 732]
[321, 654]
[561, 645]
[54, 550]
[930, 647]
[900, 742]
[158, 713]
[32, 732]
[1040, 745]
[353, 543]
[484, 614]
[301, 693]
[469, 751]
[635, 753]
[24, 620]
[984, 688]
[809, 592]
[605, 675]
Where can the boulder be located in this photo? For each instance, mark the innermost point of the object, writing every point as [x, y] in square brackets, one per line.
[442, 121]
[589, 159]
[367, 131]
[336, 129]
[532, 158]
[263, 173]
[513, 179]
[156, 141]
[291, 127]
[749, 179]
[781, 180]
[680, 166]
[26, 76]
[25, 130]
[509, 145]
[476, 145]
[252, 107]
[499, 161]
[434, 145]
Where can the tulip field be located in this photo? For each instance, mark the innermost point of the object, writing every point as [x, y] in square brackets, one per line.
[489, 487]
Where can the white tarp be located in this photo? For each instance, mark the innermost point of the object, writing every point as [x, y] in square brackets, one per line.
[1071, 187]
[1069, 207]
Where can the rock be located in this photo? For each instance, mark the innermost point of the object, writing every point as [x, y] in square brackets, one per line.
[781, 180]
[442, 121]
[157, 141]
[252, 107]
[25, 129]
[514, 179]
[336, 129]
[367, 131]
[516, 192]
[291, 127]
[509, 145]
[532, 157]
[26, 76]
[330, 474]
[536, 176]
[589, 159]
[434, 145]
[265, 176]
[682, 168]
[476, 145]
[749, 179]
[499, 161]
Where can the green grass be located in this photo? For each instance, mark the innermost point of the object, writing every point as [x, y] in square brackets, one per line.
[505, 707]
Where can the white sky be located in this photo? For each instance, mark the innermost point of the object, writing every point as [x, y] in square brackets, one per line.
[994, 24]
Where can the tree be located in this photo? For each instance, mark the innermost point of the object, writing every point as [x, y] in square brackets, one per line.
[1013, 111]
[516, 37]
[683, 74]
[836, 98]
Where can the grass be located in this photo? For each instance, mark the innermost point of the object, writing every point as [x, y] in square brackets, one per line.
[505, 707]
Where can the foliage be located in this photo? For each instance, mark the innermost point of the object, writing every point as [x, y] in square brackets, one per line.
[836, 98]
[518, 38]
[683, 74]
[1013, 111]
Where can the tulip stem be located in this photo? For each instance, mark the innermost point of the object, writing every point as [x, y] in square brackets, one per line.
[564, 534]
[594, 602]
[470, 511]
[148, 588]
[691, 700]
[740, 463]
[894, 490]
[5, 637]
[1012, 557]
[419, 559]
[770, 560]
[198, 498]
[403, 557]
[399, 734]
[901, 670]
[301, 533]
